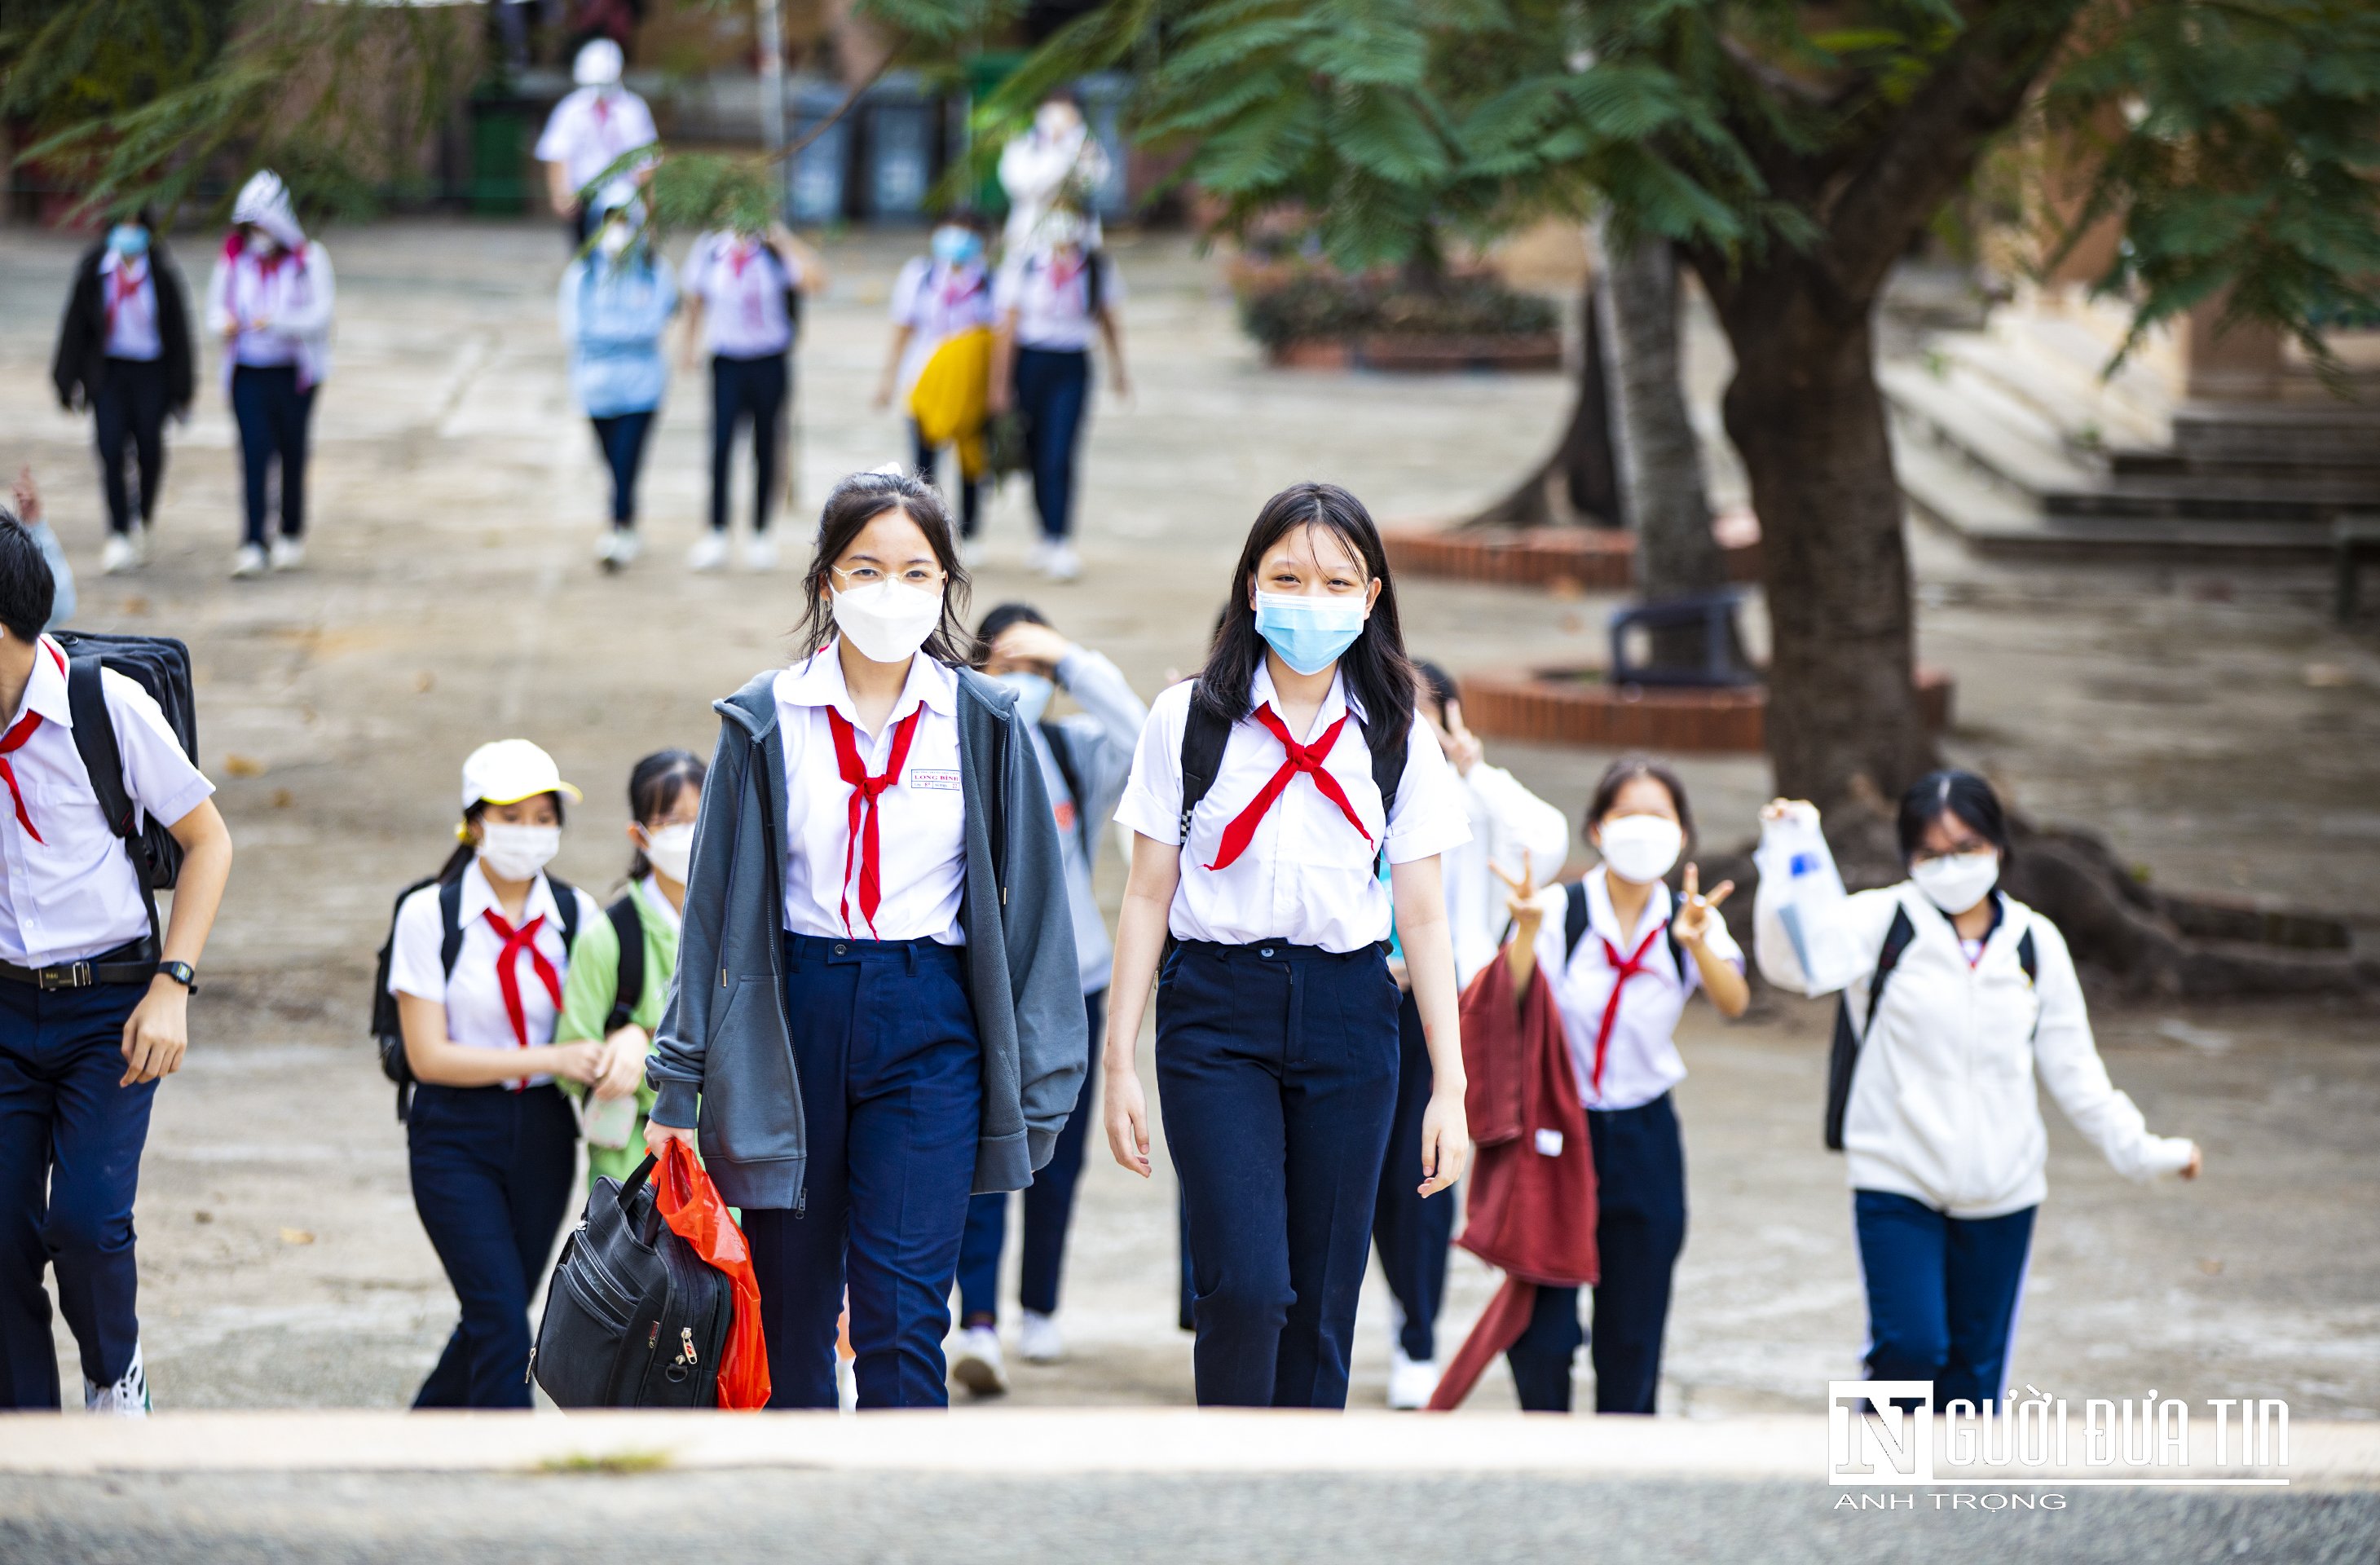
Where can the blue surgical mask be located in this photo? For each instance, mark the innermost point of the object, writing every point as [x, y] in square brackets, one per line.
[1309, 633]
[957, 247]
[1033, 693]
[128, 240]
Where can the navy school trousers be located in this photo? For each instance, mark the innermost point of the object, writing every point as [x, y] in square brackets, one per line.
[274, 416]
[492, 1181]
[1412, 1232]
[1049, 1210]
[1942, 1293]
[750, 391]
[70, 1141]
[891, 1072]
[1277, 1070]
[1640, 1179]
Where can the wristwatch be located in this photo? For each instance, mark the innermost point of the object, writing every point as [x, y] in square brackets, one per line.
[181, 973]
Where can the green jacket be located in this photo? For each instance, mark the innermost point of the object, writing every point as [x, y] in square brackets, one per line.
[587, 997]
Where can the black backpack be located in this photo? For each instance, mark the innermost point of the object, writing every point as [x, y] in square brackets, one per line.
[1575, 920]
[1204, 735]
[1842, 1054]
[633, 1316]
[160, 665]
[629, 925]
[388, 1027]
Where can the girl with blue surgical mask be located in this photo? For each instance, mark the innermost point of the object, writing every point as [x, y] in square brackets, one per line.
[942, 302]
[1265, 797]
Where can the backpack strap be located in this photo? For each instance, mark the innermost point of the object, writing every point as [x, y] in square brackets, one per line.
[1896, 940]
[1061, 751]
[1574, 917]
[2028, 957]
[102, 762]
[1387, 772]
[628, 924]
[450, 924]
[1203, 738]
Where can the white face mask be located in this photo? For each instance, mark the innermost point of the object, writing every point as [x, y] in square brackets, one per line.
[613, 241]
[888, 620]
[1640, 848]
[517, 853]
[670, 849]
[259, 244]
[1956, 883]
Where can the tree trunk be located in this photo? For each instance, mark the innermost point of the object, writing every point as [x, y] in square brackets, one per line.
[1806, 416]
[1579, 483]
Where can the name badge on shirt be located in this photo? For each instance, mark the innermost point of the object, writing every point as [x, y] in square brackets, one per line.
[1549, 1142]
[927, 779]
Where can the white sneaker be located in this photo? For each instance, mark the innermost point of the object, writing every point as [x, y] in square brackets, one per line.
[977, 1366]
[144, 539]
[129, 1398]
[1411, 1383]
[249, 561]
[1061, 564]
[618, 548]
[289, 554]
[1036, 559]
[846, 1383]
[1038, 1338]
[120, 553]
[708, 554]
[760, 551]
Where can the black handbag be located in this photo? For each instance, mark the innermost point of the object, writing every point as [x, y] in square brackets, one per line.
[633, 1316]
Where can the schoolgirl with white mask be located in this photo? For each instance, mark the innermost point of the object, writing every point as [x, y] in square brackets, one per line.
[879, 1011]
[1622, 955]
[1966, 998]
[490, 1142]
[1266, 796]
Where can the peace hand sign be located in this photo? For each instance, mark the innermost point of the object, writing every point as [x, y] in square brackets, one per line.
[1521, 901]
[1692, 921]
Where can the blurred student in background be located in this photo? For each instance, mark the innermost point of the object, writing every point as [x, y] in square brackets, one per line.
[123, 352]
[615, 304]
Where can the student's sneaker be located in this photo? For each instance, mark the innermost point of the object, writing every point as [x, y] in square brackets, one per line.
[1037, 558]
[618, 548]
[977, 1364]
[144, 540]
[248, 561]
[846, 1383]
[1038, 1338]
[760, 551]
[289, 554]
[129, 1398]
[1061, 562]
[120, 553]
[708, 554]
[1412, 1382]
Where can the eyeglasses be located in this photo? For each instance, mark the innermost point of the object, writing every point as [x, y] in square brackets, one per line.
[1964, 850]
[865, 573]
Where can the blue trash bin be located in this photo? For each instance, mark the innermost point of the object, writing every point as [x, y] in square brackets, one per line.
[1103, 94]
[814, 177]
[902, 132]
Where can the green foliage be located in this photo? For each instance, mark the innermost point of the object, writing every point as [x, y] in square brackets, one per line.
[1314, 304]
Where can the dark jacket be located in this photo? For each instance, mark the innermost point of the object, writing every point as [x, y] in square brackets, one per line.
[82, 336]
[724, 1040]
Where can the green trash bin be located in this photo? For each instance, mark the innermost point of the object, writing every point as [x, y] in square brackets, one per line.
[500, 130]
[984, 73]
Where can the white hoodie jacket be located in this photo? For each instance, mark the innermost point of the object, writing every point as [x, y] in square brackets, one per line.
[1943, 1106]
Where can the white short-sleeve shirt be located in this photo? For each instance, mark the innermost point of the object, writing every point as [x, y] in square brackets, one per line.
[128, 293]
[936, 302]
[1641, 1062]
[742, 283]
[1307, 876]
[74, 893]
[590, 129]
[474, 997]
[1053, 313]
[921, 819]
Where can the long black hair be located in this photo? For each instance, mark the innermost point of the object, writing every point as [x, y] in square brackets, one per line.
[853, 503]
[1624, 771]
[465, 850]
[1376, 671]
[1953, 792]
[655, 785]
[1001, 616]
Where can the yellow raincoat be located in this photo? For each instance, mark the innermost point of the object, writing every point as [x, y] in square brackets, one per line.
[949, 400]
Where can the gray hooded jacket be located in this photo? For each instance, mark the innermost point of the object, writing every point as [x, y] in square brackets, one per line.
[724, 1042]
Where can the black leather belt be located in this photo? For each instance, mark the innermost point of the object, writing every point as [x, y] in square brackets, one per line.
[135, 962]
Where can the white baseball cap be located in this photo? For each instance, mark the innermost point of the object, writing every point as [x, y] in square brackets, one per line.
[598, 64]
[504, 771]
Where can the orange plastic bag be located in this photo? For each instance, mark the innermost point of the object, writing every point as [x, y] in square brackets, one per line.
[690, 1205]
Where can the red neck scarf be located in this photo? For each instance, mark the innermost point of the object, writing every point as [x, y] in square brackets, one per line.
[863, 818]
[520, 942]
[1306, 758]
[123, 285]
[14, 740]
[1621, 971]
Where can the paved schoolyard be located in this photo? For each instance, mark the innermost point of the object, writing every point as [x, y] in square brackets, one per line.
[2216, 727]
